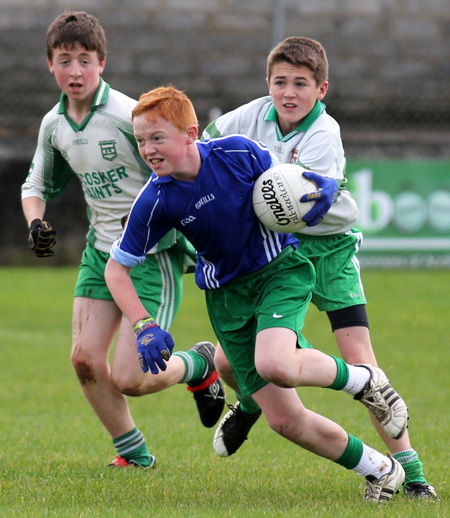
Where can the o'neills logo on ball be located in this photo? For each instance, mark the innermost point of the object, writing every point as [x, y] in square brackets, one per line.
[284, 195]
[270, 197]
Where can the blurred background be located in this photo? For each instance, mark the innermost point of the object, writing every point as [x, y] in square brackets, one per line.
[389, 90]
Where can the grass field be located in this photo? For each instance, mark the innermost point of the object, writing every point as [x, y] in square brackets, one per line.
[54, 451]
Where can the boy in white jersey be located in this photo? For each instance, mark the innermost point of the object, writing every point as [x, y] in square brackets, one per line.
[204, 189]
[293, 123]
[88, 134]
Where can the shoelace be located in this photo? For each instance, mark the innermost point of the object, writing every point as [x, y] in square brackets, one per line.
[373, 488]
[378, 404]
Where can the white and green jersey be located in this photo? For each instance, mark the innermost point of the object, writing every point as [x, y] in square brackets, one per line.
[102, 153]
[315, 144]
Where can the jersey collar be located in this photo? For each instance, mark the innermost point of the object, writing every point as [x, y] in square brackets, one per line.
[100, 97]
[304, 125]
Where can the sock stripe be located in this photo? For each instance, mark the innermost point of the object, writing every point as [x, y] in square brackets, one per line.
[129, 442]
[127, 437]
[406, 456]
[189, 364]
[131, 447]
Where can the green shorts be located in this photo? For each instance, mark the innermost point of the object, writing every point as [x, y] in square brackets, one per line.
[158, 281]
[277, 295]
[338, 277]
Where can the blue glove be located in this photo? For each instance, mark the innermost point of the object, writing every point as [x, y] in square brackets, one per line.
[154, 345]
[323, 198]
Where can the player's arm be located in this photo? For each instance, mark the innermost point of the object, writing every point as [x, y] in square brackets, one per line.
[154, 345]
[121, 287]
[33, 207]
[41, 236]
[37, 190]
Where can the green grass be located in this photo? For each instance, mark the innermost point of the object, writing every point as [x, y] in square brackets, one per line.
[54, 451]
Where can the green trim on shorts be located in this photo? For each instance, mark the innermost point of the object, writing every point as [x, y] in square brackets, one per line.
[277, 295]
[158, 281]
[338, 274]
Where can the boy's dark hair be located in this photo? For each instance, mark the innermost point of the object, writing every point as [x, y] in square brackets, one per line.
[300, 51]
[76, 27]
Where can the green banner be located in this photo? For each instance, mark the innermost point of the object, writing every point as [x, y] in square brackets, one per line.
[404, 212]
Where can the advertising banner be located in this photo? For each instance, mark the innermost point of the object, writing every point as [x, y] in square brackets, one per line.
[404, 212]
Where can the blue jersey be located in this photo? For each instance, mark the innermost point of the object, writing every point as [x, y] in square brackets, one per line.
[214, 212]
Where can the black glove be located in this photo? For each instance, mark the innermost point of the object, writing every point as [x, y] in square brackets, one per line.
[41, 238]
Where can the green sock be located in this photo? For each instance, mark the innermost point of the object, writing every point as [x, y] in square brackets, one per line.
[132, 445]
[352, 454]
[341, 375]
[247, 404]
[194, 363]
[409, 459]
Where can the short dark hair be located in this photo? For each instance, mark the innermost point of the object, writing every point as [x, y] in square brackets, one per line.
[72, 27]
[300, 51]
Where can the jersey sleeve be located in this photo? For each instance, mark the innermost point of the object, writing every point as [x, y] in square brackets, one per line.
[243, 120]
[266, 159]
[227, 124]
[243, 150]
[263, 156]
[321, 156]
[49, 172]
[146, 226]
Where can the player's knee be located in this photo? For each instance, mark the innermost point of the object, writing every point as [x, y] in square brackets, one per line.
[126, 384]
[127, 390]
[88, 368]
[291, 425]
[277, 373]
[84, 369]
[281, 424]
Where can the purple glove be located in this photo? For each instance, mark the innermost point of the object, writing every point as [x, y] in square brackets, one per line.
[323, 198]
[154, 345]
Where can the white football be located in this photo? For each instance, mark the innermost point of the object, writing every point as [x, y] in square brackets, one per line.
[276, 198]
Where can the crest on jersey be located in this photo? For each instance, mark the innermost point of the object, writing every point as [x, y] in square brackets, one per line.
[294, 156]
[108, 148]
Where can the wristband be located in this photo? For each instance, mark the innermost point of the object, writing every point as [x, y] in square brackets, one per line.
[143, 323]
